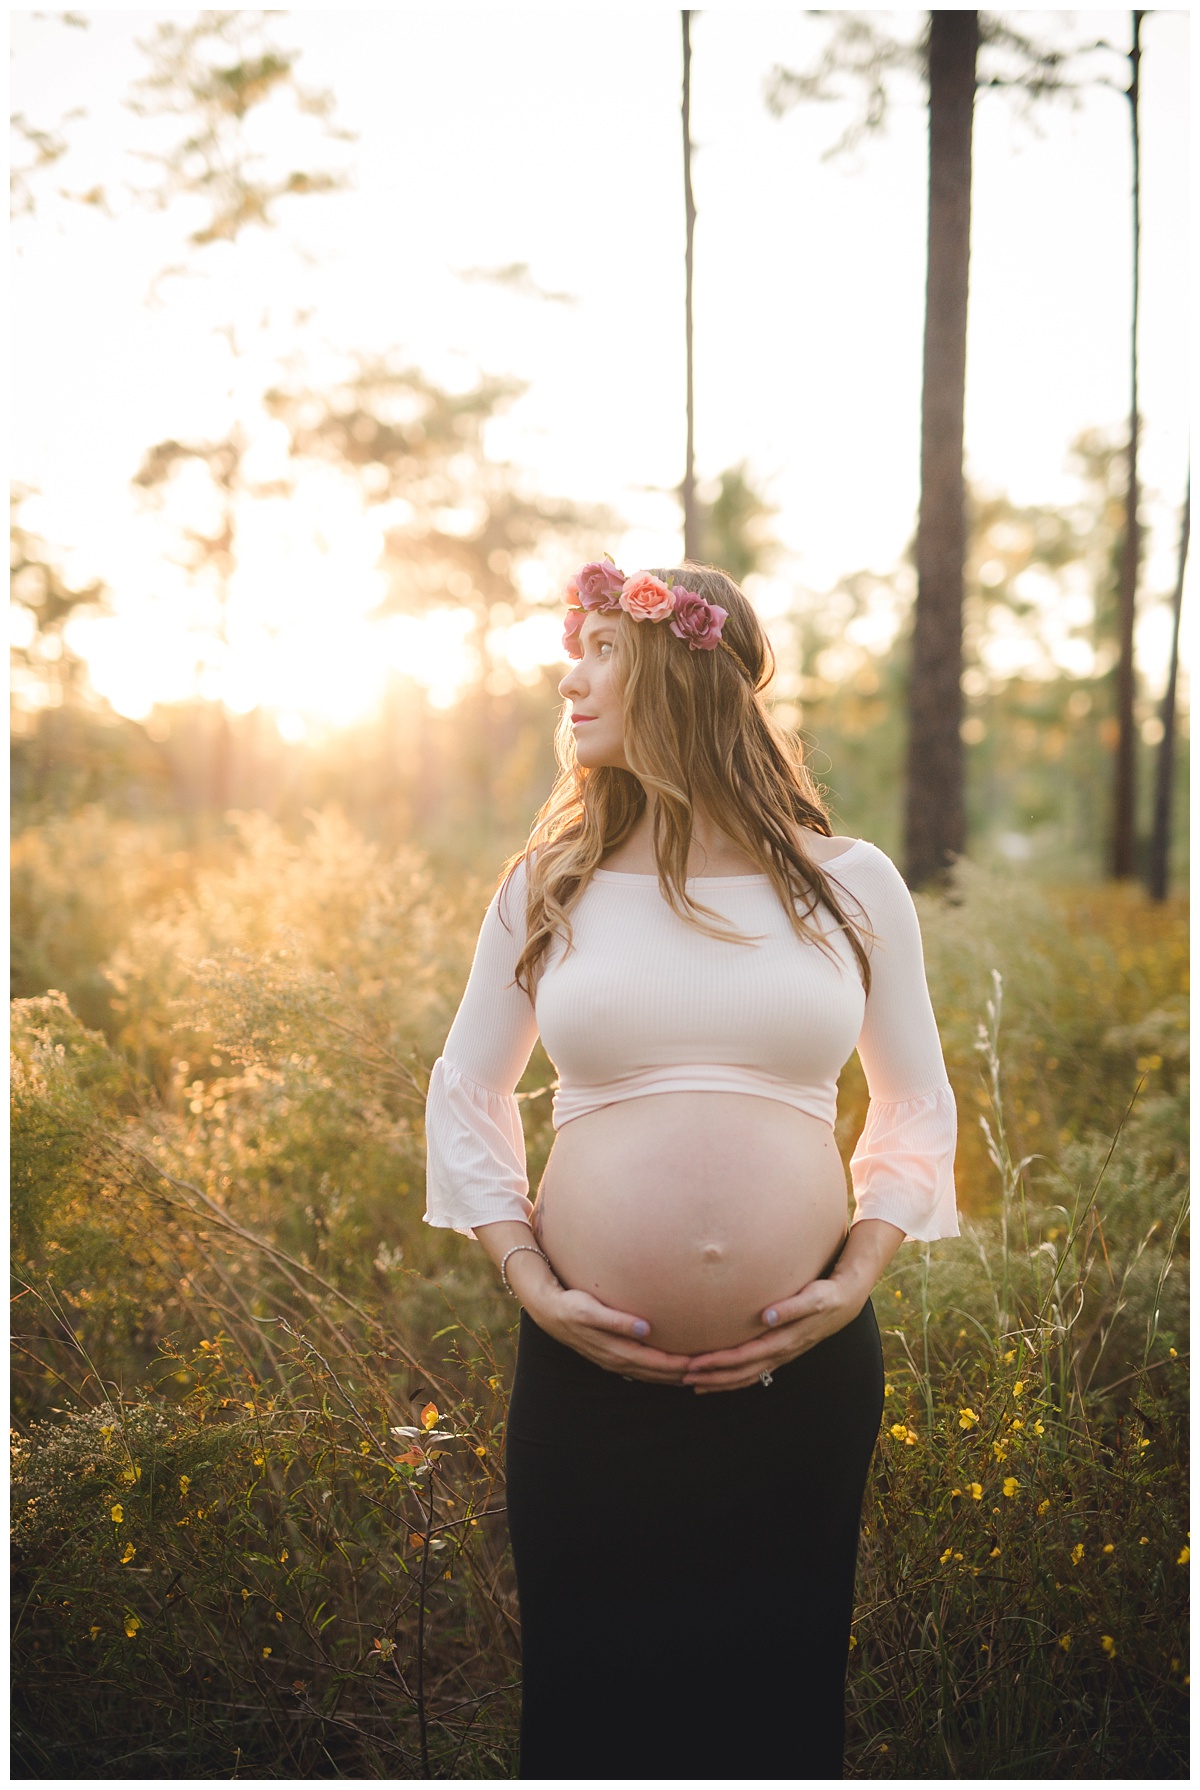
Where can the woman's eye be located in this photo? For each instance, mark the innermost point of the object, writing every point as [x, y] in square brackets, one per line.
[604, 647]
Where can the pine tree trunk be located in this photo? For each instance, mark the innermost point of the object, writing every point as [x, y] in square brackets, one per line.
[1124, 833]
[691, 540]
[935, 819]
[1158, 873]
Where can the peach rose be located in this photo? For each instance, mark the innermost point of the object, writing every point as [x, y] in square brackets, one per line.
[646, 599]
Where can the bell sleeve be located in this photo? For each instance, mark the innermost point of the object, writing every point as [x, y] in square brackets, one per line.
[902, 1169]
[475, 1143]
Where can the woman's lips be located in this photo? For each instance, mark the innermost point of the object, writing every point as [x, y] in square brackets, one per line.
[576, 719]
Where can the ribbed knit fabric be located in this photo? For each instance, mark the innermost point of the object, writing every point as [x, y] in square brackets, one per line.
[642, 1003]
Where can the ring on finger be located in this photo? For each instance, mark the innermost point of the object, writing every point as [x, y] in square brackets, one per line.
[766, 1376]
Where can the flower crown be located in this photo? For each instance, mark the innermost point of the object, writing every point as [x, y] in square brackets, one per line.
[644, 598]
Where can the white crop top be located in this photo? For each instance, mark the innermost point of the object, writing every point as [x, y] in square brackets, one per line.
[643, 1003]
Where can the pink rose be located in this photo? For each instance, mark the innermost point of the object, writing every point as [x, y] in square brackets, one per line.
[599, 584]
[646, 599]
[572, 592]
[575, 620]
[697, 622]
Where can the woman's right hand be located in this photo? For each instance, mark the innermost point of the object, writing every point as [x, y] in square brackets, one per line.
[612, 1339]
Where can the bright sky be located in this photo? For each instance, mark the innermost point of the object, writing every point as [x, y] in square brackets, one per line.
[491, 136]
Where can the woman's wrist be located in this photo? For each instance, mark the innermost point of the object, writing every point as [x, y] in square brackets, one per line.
[532, 1281]
[523, 1264]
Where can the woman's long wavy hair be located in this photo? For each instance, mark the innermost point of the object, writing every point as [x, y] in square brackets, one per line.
[699, 737]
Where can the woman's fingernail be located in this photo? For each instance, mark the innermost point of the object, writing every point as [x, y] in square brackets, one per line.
[640, 1327]
[771, 1316]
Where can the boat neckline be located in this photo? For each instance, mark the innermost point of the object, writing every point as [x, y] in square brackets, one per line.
[649, 876]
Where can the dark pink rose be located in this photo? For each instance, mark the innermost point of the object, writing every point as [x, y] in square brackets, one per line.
[697, 622]
[575, 620]
[600, 584]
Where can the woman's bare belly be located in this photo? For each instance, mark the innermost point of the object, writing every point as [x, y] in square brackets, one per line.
[694, 1211]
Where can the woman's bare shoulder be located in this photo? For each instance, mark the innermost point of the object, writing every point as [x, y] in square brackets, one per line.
[823, 850]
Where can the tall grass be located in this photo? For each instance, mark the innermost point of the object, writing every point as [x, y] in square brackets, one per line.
[235, 1332]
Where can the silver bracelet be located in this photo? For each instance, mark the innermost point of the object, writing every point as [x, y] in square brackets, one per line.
[533, 1249]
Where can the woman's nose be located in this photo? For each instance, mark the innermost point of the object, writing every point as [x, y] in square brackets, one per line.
[573, 683]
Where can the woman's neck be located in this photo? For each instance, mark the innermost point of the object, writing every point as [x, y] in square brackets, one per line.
[712, 853]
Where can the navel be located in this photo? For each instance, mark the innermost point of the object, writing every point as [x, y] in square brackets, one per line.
[712, 1252]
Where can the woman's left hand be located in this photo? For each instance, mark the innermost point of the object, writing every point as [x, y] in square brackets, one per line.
[792, 1325]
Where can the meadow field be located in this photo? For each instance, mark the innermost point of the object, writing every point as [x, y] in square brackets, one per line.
[259, 1406]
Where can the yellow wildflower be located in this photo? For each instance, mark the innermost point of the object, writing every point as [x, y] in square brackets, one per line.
[1000, 1450]
[958, 1556]
[1064, 1642]
[117, 1514]
[1043, 1507]
[967, 1419]
[364, 1448]
[429, 1417]
[184, 1483]
[1011, 1487]
[956, 1492]
[994, 1554]
[1077, 1553]
[946, 1556]
[245, 1595]
[267, 1652]
[854, 1641]
[279, 1615]
[93, 1631]
[132, 1624]
[1039, 1428]
[1011, 1356]
[283, 1556]
[1173, 1353]
[1143, 1541]
[1185, 1555]
[1018, 1389]
[976, 1490]
[1018, 1423]
[888, 1390]
[127, 1556]
[106, 1429]
[1107, 1548]
[258, 1460]
[899, 1431]
[1109, 1645]
[1144, 1443]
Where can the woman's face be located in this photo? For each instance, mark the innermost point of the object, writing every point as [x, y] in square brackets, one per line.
[597, 710]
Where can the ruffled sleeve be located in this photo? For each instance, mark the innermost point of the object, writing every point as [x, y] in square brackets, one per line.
[902, 1169]
[475, 1144]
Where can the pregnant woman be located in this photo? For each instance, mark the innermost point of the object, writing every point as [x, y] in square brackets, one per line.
[699, 1380]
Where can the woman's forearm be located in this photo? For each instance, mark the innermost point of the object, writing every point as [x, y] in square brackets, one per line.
[868, 1249]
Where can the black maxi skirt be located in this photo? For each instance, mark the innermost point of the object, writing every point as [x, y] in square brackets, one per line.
[685, 1565]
